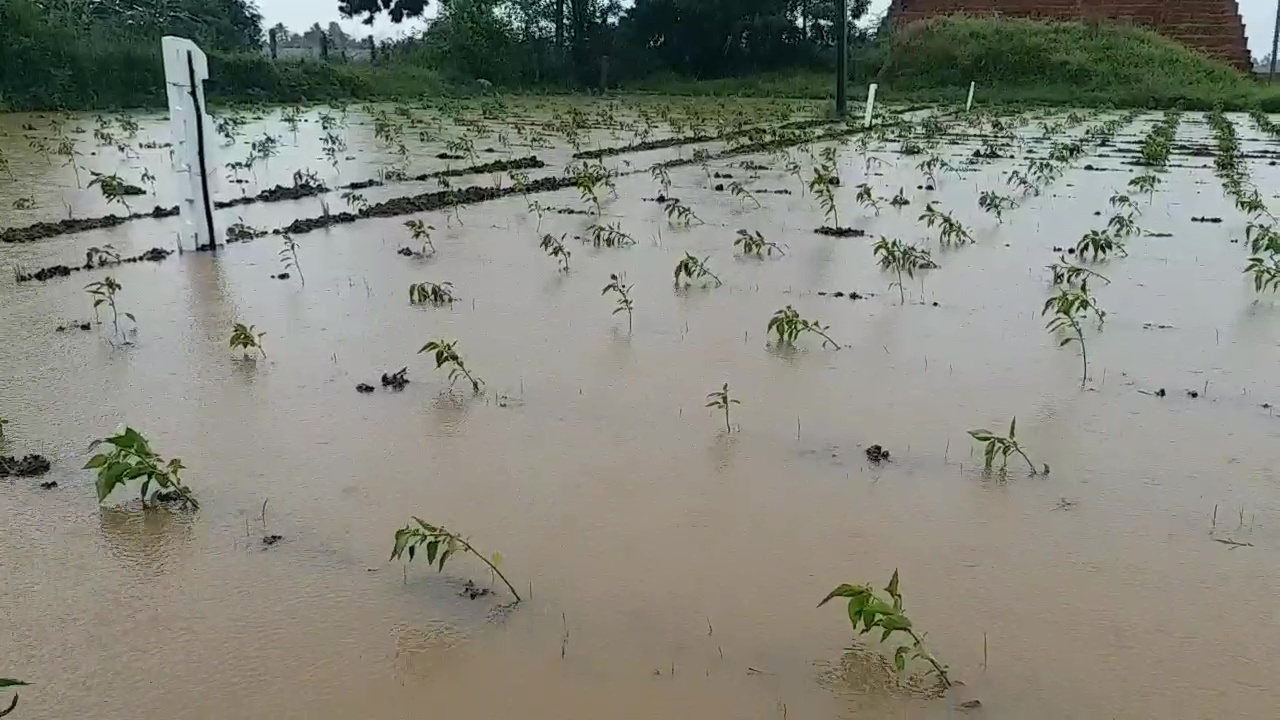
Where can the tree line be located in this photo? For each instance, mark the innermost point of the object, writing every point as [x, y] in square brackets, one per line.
[513, 42]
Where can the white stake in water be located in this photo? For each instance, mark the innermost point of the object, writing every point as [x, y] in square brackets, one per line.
[183, 60]
[871, 101]
[969, 104]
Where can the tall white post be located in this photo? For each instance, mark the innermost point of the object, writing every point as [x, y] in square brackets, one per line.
[968, 105]
[185, 70]
[871, 101]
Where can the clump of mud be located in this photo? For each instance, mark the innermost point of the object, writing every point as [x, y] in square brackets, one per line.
[28, 466]
[54, 271]
[471, 591]
[396, 380]
[863, 671]
[840, 231]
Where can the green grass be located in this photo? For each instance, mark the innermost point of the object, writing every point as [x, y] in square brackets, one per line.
[1015, 61]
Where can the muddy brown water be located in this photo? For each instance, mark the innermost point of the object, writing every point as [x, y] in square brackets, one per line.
[676, 567]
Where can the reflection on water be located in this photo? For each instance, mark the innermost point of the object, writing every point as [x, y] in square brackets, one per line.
[149, 541]
[681, 561]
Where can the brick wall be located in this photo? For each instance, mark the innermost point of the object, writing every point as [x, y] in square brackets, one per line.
[1211, 26]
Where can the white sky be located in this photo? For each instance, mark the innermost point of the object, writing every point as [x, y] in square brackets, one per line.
[298, 15]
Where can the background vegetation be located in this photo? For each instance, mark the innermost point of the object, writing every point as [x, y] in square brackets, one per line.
[78, 54]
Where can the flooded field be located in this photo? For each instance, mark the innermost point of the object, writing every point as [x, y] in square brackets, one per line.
[668, 567]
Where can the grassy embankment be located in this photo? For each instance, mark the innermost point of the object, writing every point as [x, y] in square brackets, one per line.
[1021, 61]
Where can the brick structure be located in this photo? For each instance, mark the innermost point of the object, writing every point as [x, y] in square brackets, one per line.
[1213, 27]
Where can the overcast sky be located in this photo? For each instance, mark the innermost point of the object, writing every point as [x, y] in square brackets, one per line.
[1259, 17]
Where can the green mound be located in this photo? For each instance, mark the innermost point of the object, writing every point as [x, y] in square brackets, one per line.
[1081, 62]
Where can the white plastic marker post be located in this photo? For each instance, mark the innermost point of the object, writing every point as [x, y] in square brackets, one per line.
[871, 101]
[969, 104]
[185, 70]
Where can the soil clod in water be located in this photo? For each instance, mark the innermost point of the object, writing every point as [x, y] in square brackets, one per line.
[28, 466]
[395, 380]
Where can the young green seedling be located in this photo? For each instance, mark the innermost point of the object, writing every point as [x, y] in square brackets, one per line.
[244, 338]
[867, 611]
[104, 291]
[1099, 244]
[440, 544]
[289, 256]
[950, 231]
[112, 187]
[740, 192]
[996, 204]
[793, 169]
[867, 199]
[899, 257]
[610, 236]
[1068, 275]
[680, 214]
[554, 248]
[690, 268]
[6, 683]
[67, 149]
[355, 201]
[753, 244]
[101, 256]
[788, 326]
[618, 285]
[900, 200]
[720, 400]
[131, 458]
[823, 185]
[1145, 183]
[1002, 447]
[588, 179]
[1265, 271]
[1067, 310]
[422, 232]
[429, 293]
[445, 354]
[932, 165]
[659, 173]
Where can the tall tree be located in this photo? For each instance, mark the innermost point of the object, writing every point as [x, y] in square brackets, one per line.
[368, 10]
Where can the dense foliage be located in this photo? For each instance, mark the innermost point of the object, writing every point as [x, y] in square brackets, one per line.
[80, 54]
[527, 41]
[105, 53]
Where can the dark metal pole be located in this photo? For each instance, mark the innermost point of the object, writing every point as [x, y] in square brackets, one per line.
[842, 57]
[204, 177]
[1275, 44]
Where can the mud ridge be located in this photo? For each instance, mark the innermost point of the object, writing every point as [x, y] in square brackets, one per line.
[54, 271]
[279, 193]
[689, 140]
